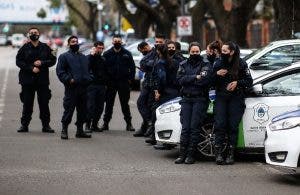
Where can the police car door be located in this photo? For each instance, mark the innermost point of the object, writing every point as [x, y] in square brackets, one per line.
[279, 94]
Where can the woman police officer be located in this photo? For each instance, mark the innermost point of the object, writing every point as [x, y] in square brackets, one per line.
[194, 75]
[231, 77]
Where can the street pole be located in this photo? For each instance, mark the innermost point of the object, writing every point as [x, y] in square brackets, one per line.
[182, 7]
[100, 8]
[119, 23]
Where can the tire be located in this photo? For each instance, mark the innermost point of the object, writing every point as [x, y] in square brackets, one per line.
[205, 148]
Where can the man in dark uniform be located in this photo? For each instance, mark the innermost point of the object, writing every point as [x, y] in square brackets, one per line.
[146, 98]
[121, 71]
[72, 71]
[143, 99]
[96, 90]
[34, 59]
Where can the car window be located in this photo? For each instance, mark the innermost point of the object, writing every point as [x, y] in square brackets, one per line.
[281, 57]
[283, 86]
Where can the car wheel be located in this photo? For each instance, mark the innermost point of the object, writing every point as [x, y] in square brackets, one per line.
[207, 143]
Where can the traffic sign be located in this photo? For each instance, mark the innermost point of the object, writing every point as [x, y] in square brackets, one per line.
[184, 26]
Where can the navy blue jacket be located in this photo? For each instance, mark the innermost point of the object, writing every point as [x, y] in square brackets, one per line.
[244, 79]
[120, 65]
[165, 78]
[72, 65]
[186, 76]
[25, 58]
[98, 69]
[147, 64]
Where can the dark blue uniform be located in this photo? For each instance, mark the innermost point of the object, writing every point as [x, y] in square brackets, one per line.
[229, 106]
[35, 82]
[194, 101]
[121, 70]
[74, 65]
[96, 91]
[145, 100]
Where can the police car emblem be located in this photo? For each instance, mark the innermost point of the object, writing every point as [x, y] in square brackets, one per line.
[261, 114]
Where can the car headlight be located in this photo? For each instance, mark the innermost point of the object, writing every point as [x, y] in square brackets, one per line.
[283, 124]
[169, 108]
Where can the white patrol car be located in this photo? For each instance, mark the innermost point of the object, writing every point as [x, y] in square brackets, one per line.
[282, 146]
[274, 56]
[272, 94]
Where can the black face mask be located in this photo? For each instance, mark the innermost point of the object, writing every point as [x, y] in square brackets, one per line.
[145, 53]
[211, 58]
[74, 48]
[171, 52]
[34, 37]
[117, 46]
[195, 58]
[225, 57]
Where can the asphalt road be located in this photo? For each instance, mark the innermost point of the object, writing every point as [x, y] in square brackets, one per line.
[112, 162]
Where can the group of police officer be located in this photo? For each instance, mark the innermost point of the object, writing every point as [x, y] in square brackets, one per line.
[92, 81]
[168, 74]
[89, 82]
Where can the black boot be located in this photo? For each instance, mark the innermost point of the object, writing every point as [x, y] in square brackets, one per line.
[150, 129]
[151, 140]
[104, 127]
[95, 127]
[129, 127]
[230, 156]
[80, 133]
[182, 155]
[23, 129]
[190, 159]
[142, 130]
[64, 132]
[219, 155]
[88, 127]
[47, 129]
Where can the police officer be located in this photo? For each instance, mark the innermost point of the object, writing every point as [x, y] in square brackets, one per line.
[72, 71]
[213, 51]
[232, 78]
[149, 67]
[97, 88]
[165, 84]
[144, 97]
[178, 53]
[34, 59]
[121, 71]
[194, 76]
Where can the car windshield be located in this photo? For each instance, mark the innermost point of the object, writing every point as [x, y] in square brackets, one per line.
[257, 51]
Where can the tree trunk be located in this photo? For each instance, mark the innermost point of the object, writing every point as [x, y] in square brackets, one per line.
[284, 18]
[198, 12]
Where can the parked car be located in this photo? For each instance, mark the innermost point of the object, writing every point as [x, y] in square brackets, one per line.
[3, 39]
[282, 146]
[271, 94]
[275, 55]
[18, 40]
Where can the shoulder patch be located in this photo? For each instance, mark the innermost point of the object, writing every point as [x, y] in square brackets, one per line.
[183, 62]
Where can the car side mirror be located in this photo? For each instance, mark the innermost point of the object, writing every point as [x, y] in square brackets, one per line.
[259, 64]
[258, 89]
